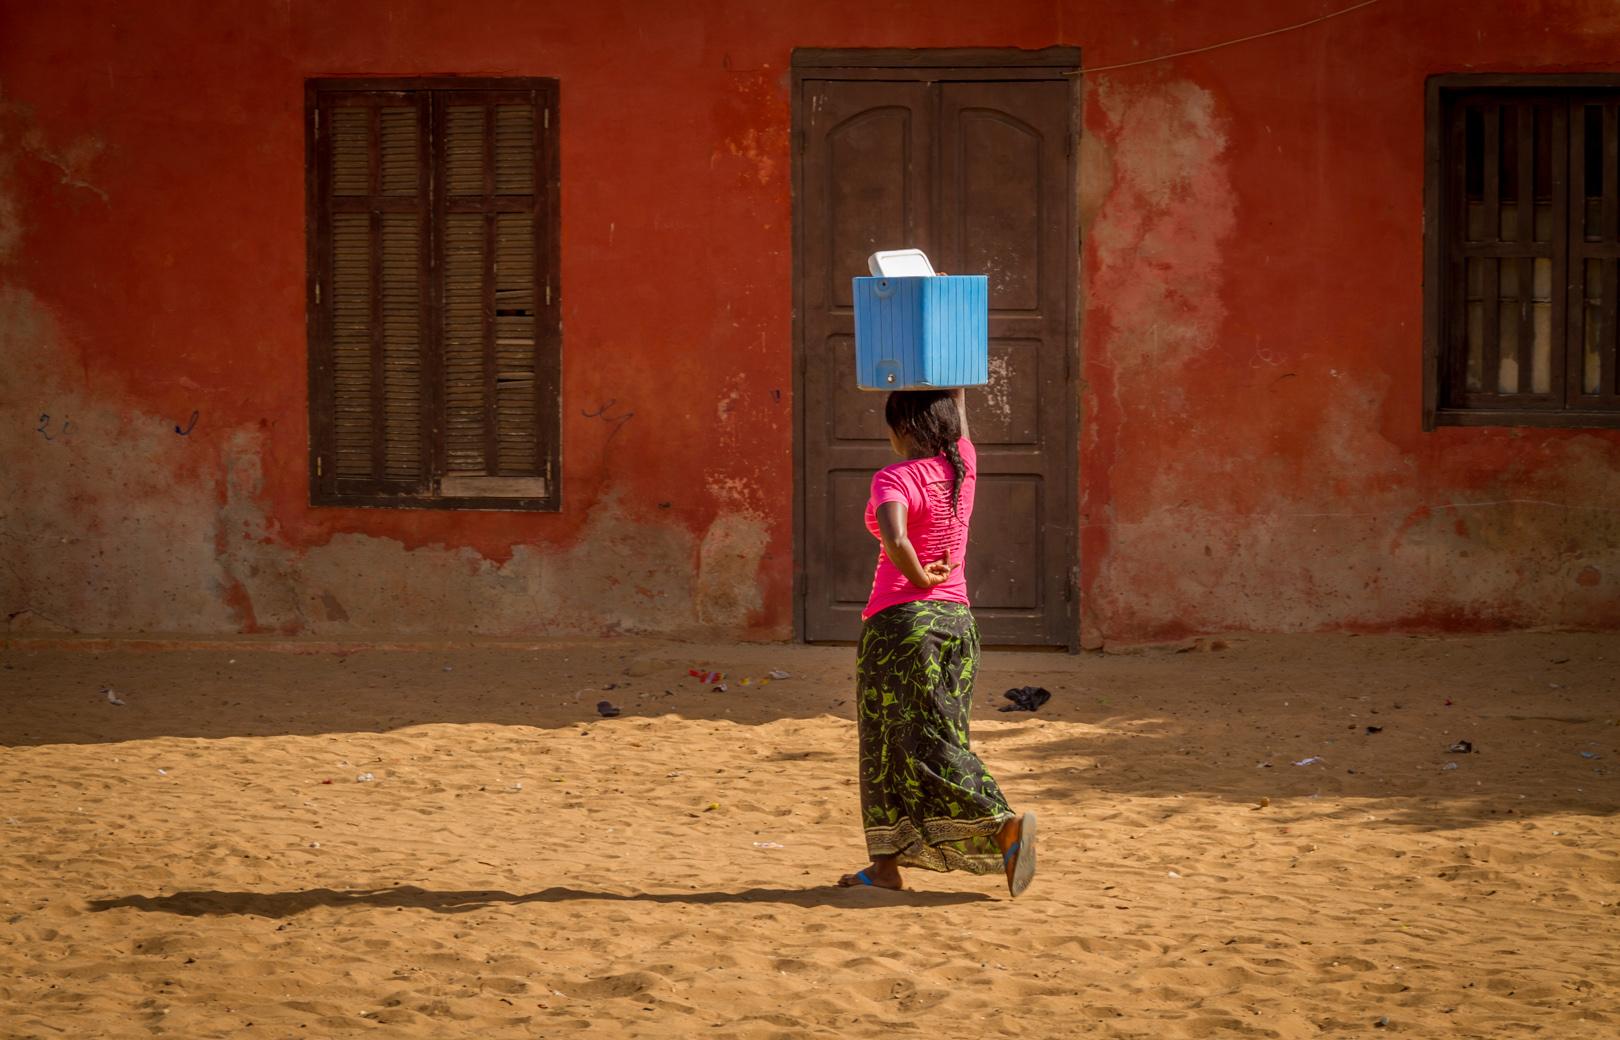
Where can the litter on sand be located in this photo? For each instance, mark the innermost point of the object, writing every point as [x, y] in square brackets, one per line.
[769, 845]
[112, 698]
[1309, 761]
[607, 710]
[1026, 698]
[1462, 747]
[364, 778]
[777, 673]
[1449, 765]
[704, 676]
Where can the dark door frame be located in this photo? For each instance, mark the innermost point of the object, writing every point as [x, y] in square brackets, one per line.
[956, 63]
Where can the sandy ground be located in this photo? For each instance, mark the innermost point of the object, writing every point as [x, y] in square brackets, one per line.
[202, 861]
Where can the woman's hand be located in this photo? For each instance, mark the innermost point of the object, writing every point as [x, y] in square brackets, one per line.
[939, 572]
[891, 519]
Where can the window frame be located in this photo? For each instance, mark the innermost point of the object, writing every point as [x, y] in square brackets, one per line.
[548, 304]
[1437, 245]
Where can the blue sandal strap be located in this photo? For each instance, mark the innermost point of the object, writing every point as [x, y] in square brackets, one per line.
[1012, 850]
[863, 878]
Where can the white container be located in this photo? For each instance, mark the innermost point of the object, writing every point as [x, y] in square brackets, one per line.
[899, 263]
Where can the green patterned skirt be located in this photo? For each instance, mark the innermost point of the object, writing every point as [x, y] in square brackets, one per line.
[925, 798]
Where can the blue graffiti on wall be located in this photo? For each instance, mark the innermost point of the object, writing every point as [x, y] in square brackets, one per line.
[45, 426]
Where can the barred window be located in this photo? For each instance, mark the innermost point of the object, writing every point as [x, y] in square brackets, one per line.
[1522, 239]
[434, 305]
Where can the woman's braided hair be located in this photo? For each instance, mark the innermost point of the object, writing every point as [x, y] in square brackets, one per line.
[930, 420]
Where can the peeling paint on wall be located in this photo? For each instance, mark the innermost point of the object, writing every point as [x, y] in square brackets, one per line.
[728, 587]
[1519, 565]
[102, 533]
[1158, 237]
[622, 577]
[98, 531]
[1279, 484]
[751, 118]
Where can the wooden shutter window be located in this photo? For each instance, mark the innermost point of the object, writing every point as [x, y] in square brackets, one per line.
[514, 150]
[1512, 189]
[1595, 249]
[351, 345]
[375, 242]
[403, 392]
[1523, 243]
[435, 331]
[491, 347]
[464, 343]
[351, 151]
[515, 361]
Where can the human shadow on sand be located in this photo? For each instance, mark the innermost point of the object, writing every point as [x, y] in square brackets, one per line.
[287, 904]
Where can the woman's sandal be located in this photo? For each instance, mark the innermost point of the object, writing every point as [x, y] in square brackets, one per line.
[1021, 854]
[867, 882]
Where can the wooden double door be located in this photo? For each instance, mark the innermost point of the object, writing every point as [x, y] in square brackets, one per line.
[975, 166]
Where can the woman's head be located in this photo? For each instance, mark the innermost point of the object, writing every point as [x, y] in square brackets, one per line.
[922, 422]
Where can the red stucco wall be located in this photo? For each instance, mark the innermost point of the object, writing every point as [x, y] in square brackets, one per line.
[1251, 456]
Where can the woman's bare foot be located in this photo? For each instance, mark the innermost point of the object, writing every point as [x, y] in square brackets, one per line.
[881, 874]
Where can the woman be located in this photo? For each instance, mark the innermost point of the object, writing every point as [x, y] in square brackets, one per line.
[926, 799]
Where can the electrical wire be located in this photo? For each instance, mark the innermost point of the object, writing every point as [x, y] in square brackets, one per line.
[1227, 43]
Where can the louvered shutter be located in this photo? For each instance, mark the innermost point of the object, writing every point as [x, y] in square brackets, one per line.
[372, 414]
[435, 317]
[498, 308]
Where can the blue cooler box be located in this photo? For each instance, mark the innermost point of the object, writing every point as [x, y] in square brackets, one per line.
[922, 333]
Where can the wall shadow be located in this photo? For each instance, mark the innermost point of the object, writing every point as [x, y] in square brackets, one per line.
[207, 903]
[1404, 775]
[55, 696]
[1376, 715]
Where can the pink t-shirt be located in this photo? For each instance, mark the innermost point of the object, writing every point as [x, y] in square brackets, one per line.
[924, 485]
